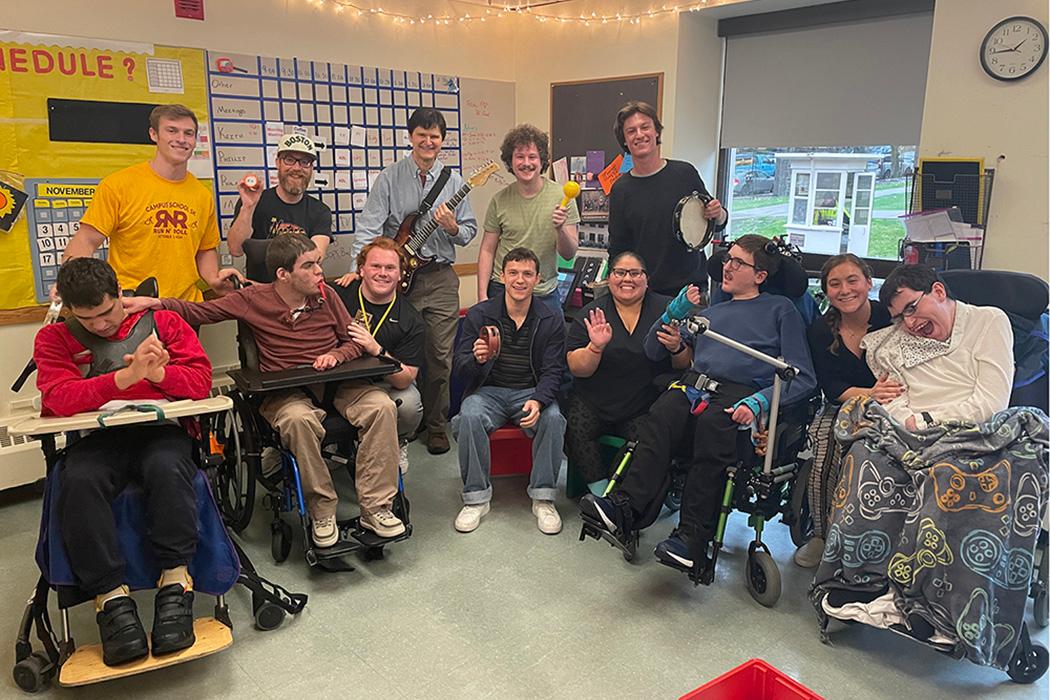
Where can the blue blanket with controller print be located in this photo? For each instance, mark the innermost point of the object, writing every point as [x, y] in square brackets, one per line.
[945, 520]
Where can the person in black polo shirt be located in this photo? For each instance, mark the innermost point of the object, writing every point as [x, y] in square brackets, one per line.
[614, 382]
[388, 325]
[260, 215]
[514, 382]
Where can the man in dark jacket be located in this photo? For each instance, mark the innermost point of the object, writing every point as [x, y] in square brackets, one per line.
[514, 379]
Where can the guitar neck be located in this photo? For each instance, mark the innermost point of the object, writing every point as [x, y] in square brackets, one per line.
[421, 235]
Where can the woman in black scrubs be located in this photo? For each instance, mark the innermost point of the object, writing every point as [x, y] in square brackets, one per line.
[613, 385]
[842, 373]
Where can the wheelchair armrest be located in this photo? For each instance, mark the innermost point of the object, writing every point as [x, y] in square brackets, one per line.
[37, 425]
[254, 381]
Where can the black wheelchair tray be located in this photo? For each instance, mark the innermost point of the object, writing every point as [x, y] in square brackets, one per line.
[252, 380]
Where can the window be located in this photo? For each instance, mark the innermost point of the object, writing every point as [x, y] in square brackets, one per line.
[826, 200]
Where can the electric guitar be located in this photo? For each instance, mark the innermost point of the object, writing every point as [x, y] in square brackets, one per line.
[411, 239]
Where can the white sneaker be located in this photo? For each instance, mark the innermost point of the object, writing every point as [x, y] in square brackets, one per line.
[402, 459]
[470, 517]
[325, 531]
[383, 522]
[808, 556]
[547, 517]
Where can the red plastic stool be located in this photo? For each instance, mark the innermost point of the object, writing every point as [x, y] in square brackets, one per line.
[752, 680]
[511, 451]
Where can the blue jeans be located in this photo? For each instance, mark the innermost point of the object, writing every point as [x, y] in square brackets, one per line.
[493, 407]
[496, 289]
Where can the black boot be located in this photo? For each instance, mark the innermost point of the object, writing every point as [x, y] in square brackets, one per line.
[172, 620]
[119, 627]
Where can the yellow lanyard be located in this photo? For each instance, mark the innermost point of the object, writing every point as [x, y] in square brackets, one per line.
[365, 315]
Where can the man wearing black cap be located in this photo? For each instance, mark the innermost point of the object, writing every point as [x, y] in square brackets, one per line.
[264, 214]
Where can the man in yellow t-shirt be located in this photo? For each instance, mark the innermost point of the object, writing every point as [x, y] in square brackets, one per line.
[159, 219]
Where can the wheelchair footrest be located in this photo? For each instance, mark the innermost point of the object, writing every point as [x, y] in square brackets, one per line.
[367, 538]
[85, 666]
[592, 528]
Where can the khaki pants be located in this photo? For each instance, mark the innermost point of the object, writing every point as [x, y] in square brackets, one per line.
[367, 406]
[435, 294]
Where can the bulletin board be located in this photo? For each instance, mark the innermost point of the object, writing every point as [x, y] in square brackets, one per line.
[43, 74]
[583, 111]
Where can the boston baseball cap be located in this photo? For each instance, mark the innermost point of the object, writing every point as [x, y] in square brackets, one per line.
[298, 143]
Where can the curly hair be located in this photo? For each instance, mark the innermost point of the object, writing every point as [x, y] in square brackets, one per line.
[525, 135]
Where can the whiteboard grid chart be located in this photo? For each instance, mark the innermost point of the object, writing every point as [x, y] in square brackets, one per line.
[255, 100]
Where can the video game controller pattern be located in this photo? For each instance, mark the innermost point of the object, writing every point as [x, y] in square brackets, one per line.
[868, 548]
[987, 491]
[931, 549]
[984, 554]
[1027, 507]
[978, 630]
[879, 494]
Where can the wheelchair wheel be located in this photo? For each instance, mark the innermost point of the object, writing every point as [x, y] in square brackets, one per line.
[1028, 667]
[34, 672]
[1039, 608]
[280, 540]
[673, 499]
[801, 518]
[763, 578]
[234, 481]
[268, 616]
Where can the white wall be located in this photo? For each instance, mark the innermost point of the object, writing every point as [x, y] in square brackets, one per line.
[967, 113]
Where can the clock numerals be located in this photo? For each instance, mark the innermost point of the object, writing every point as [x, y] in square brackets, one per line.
[1013, 48]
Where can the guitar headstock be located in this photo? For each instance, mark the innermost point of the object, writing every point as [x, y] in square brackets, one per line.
[480, 176]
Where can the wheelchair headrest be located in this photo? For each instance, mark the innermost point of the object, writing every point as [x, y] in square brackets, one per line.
[789, 280]
[147, 288]
[1014, 292]
[255, 259]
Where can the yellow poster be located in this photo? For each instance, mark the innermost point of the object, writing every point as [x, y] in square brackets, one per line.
[44, 81]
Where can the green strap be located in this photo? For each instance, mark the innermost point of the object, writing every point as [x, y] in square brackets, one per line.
[137, 407]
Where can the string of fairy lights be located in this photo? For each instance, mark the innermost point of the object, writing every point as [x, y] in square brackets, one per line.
[497, 12]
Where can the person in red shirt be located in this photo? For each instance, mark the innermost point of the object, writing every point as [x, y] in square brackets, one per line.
[102, 354]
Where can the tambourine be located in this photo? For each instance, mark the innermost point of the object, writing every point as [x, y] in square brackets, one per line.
[490, 334]
[690, 226]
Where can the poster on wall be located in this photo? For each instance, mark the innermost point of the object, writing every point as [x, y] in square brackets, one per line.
[80, 109]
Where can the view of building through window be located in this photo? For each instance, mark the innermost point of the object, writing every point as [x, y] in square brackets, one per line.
[826, 200]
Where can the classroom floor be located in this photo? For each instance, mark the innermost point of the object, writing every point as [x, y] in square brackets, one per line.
[507, 612]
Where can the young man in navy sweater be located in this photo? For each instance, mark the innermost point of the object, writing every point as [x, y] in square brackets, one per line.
[767, 323]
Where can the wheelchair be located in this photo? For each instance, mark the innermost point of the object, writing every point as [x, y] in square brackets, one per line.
[220, 563]
[749, 487]
[244, 434]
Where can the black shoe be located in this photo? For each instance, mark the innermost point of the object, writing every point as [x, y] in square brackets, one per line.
[119, 627]
[604, 512]
[437, 443]
[172, 620]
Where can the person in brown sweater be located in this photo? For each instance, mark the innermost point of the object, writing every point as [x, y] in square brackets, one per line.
[299, 320]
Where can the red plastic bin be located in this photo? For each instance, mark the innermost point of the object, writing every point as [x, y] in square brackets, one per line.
[511, 451]
[752, 680]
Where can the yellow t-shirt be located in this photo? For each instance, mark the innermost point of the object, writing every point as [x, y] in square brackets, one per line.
[155, 228]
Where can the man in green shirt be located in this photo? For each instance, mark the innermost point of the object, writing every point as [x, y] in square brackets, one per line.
[527, 214]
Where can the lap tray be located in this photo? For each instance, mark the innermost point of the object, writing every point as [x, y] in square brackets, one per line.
[37, 425]
[253, 380]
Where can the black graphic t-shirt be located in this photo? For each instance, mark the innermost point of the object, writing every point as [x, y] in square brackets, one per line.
[274, 217]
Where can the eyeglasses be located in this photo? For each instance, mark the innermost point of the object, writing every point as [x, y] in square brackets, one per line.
[909, 309]
[734, 263]
[292, 161]
[619, 273]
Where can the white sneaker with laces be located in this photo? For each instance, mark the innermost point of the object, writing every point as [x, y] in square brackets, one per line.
[325, 531]
[383, 522]
[402, 459]
[547, 517]
[470, 517]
